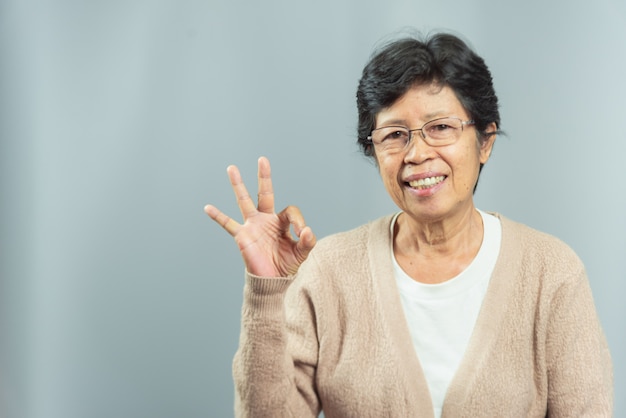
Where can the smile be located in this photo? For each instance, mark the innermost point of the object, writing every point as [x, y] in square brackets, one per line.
[427, 182]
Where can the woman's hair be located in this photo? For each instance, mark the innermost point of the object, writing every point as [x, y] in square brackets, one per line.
[443, 59]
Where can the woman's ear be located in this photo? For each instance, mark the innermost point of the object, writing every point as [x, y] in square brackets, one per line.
[487, 144]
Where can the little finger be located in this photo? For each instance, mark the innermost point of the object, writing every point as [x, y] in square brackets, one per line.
[229, 224]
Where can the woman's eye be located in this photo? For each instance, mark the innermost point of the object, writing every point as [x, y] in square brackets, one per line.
[441, 127]
[396, 135]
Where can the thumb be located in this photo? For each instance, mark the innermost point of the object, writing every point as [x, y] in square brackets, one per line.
[306, 242]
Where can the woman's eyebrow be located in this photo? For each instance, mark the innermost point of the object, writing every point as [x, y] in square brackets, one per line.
[427, 118]
[393, 122]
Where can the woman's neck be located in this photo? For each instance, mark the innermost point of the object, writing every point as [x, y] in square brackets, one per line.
[435, 251]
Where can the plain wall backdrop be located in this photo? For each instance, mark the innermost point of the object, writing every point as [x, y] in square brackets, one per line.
[119, 297]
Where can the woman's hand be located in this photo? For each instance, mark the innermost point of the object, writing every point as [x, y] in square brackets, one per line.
[264, 239]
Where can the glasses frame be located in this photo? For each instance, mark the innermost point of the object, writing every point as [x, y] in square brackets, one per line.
[428, 140]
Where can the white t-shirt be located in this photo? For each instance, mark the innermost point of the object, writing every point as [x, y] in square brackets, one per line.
[441, 317]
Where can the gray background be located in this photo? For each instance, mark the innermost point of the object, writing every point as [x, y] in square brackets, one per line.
[120, 298]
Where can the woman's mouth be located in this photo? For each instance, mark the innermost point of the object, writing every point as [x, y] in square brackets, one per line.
[426, 183]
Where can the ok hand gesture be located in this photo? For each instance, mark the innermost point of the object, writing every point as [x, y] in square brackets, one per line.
[264, 239]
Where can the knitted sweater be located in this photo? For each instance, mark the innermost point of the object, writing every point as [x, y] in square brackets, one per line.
[334, 337]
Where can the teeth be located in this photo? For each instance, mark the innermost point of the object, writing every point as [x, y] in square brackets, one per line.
[427, 182]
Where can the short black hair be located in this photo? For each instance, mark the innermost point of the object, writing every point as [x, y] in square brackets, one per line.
[442, 59]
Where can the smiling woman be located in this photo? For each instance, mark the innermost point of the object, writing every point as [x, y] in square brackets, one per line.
[439, 309]
[432, 180]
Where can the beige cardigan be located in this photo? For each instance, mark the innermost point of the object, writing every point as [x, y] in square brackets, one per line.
[335, 337]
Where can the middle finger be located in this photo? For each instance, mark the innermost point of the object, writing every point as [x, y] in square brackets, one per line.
[266, 190]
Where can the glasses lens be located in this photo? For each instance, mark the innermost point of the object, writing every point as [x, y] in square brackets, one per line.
[443, 131]
[391, 138]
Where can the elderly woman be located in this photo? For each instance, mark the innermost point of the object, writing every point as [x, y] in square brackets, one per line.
[438, 310]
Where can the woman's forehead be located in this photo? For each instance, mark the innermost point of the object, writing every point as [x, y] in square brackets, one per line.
[421, 103]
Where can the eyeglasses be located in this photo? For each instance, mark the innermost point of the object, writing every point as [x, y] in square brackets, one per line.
[436, 133]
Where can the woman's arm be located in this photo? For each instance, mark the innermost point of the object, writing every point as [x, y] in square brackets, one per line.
[274, 367]
[580, 377]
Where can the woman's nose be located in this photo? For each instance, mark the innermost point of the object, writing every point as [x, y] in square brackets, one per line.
[417, 149]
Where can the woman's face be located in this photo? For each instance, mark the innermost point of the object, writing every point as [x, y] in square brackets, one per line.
[431, 183]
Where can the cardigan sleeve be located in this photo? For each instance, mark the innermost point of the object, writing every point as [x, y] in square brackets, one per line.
[580, 375]
[274, 367]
